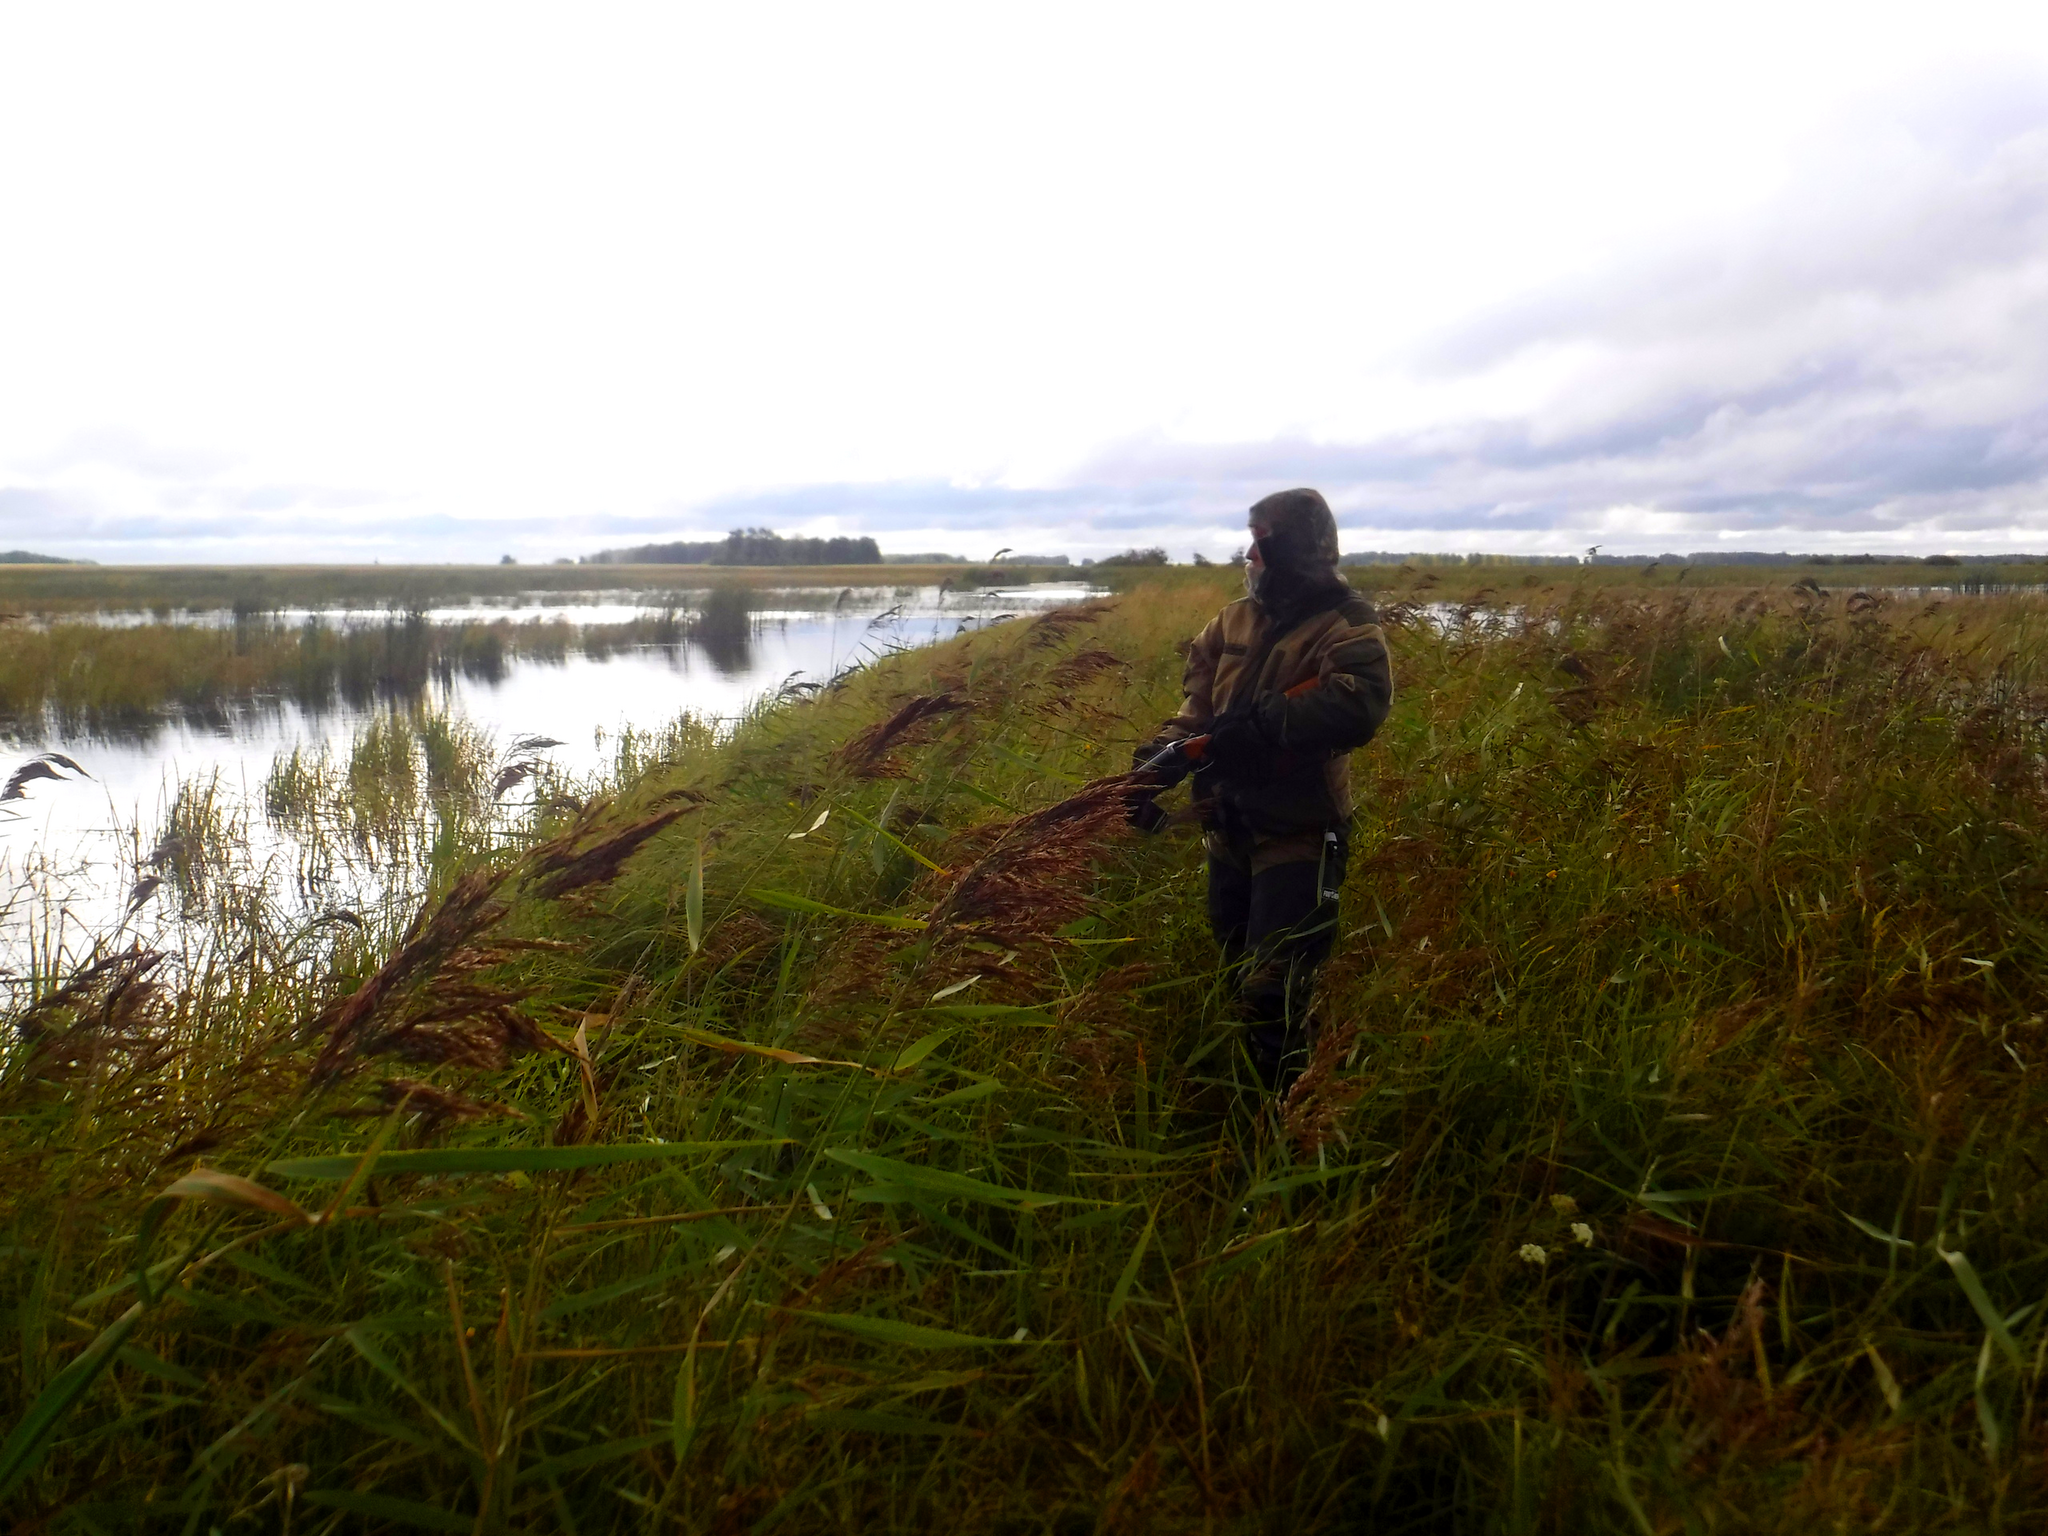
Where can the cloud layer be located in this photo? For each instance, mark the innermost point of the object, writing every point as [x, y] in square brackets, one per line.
[1856, 360]
[1863, 367]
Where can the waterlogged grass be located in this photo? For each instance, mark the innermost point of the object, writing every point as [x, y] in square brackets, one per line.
[260, 589]
[68, 677]
[832, 1133]
[1507, 582]
[62, 676]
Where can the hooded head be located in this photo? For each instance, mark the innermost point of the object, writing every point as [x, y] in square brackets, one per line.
[1294, 550]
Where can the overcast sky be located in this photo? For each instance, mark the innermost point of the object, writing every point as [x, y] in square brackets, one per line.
[436, 282]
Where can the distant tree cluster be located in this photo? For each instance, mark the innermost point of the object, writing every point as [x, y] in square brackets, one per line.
[1698, 557]
[28, 557]
[1419, 557]
[1136, 557]
[746, 546]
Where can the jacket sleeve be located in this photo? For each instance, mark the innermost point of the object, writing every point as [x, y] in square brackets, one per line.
[1355, 689]
[1197, 679]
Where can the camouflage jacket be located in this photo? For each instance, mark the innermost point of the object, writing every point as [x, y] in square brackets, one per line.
[1322, 692]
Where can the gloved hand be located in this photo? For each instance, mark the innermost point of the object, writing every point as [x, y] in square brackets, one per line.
[1143, 813]
[1238, 744]
[1141, 806]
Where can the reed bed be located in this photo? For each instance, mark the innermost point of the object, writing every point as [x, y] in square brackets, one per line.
[1505, 582]
[837, 1127]
[53, 589]
[65, 678]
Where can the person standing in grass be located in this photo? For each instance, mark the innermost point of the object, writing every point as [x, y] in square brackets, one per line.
[1285, 683]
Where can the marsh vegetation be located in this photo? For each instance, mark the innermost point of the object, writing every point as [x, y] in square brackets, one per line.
[832, 1123]
[168, 589]
[124, 716]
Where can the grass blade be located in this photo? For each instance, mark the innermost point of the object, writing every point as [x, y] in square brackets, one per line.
[24, 1447]
[1994, 1323]
[789, 901]
[1006, 1013]
[882, 831]
[1870, 1229]
[861, 1421]
[359, 1171]
[693, 901]
[887, 1330]
[917, 1050]
[591, 1456]
[768, 1052]
[136, 1358]
[364, 1344]
[231, 1189]
[888, 1171]
[381, 1506]
[1122, 1290]
[583, 1301]
[968, 1095]
[506, 1159]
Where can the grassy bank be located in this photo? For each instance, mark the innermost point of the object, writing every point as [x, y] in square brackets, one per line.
[839, 1129]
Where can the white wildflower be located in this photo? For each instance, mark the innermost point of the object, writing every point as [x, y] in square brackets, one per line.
[1583, 1233]
[1532, 1253]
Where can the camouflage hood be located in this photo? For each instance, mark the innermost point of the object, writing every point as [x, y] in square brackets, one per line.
[1299, 551]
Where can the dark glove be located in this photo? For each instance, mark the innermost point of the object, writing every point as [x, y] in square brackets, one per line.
[1163, 763]
[1141, 808]
[1143, 813]
[1238, 746]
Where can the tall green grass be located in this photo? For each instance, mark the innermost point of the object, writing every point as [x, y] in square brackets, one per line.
[1668, 1164]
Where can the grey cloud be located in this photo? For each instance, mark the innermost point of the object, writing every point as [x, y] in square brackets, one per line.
[1850, 369]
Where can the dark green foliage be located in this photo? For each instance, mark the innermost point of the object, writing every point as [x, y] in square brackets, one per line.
[747, 546]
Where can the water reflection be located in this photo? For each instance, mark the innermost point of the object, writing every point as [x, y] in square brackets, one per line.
[73, 851]
[110, 677]
[724, 627]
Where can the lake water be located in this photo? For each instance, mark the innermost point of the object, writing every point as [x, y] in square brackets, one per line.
[72, 848]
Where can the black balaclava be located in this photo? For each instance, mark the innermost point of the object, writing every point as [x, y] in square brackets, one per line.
[1299, 553]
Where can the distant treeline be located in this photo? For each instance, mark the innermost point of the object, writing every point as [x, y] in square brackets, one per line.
[745, 546]
[1698, 557]
[1420, 557]
[27, 557]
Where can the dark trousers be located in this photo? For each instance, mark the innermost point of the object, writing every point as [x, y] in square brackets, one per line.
[1276, 926]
